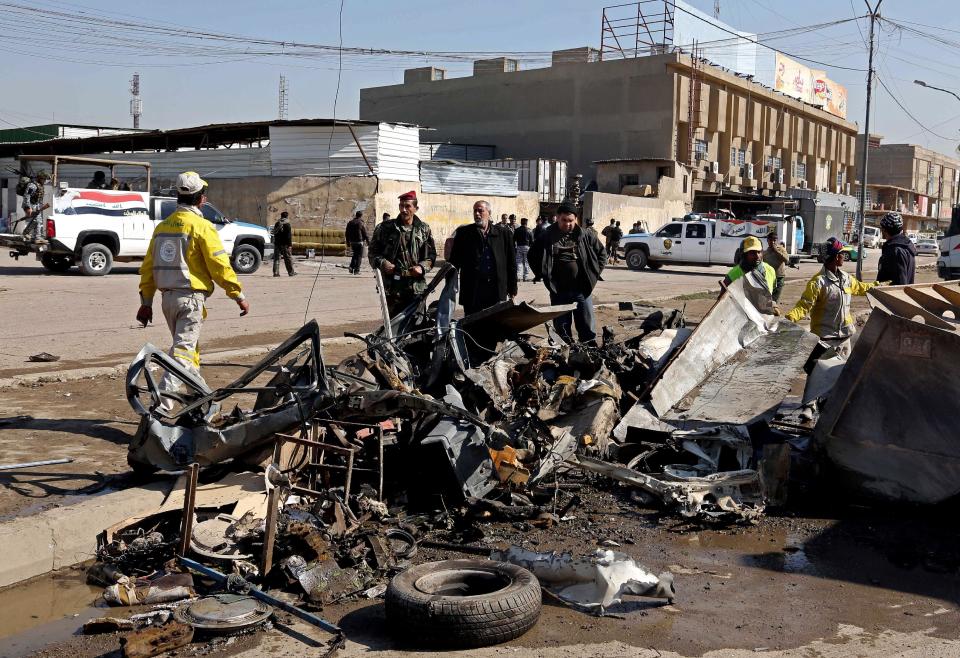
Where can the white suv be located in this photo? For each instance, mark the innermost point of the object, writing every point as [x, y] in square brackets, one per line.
[96, 228]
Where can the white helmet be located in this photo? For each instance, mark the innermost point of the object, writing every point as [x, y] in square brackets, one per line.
[189, 182]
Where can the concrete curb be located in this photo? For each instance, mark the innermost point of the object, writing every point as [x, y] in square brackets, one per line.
[64, 536]
[28, 379]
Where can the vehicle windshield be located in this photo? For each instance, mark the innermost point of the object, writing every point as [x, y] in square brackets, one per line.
[670, 231]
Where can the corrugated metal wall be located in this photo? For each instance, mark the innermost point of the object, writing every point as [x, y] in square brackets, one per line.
[459, 152]
[313, 151]
[398, 154]
[547, 177]
[455, 178]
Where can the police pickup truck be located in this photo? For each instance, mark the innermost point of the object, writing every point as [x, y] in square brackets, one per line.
[695, 240]
[93, 229]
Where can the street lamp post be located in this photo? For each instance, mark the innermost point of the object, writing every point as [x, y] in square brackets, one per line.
[874, 14]
[946, 91]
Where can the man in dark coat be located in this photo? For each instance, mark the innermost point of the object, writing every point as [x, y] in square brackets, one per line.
[486, 257]
[898, 256]
[355, 234]
[570, 260]
[283, 245]
[403, 250]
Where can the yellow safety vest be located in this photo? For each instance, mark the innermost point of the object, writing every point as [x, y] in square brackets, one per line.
[186, 253]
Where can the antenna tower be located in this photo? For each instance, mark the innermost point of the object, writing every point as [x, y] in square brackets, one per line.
[136, 104]
[284, 99]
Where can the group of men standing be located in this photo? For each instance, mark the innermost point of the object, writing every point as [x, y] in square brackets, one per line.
[491, 257]
[186, 258]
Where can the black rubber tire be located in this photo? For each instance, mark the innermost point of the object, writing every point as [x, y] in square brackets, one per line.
[246, 259]
[96, 259]
[54, 263]
[422, 609]
[636, 259]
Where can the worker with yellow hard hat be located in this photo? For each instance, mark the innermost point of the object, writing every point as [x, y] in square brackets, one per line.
[759, 277]
[184, 260]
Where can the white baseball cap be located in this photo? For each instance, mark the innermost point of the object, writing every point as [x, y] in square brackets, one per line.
[189, 182]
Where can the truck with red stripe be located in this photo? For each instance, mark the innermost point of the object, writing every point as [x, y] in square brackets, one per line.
[707, 240]
[93, 229]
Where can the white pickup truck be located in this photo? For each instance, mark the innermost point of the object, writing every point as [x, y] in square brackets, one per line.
[696, 241]
[93, 229]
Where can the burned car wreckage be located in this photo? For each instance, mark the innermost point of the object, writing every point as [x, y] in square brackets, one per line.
[679, 414]
[437, 425]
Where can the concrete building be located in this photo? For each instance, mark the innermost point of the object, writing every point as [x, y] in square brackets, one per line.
[921, 184]
[320, 171]
[735, 136]
[652, 192]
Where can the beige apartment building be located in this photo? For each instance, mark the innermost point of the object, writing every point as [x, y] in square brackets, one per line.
[921, 184]
[735, 136]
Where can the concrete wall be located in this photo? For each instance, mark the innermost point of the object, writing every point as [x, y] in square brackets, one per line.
[310, 200]
[445, 212]
[261, 199]
[601, 208]
[574, 112]
[668, 187]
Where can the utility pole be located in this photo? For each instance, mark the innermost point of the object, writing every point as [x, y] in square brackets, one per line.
[283, 103]
[874, 15]
[716, 9]
[136, 104]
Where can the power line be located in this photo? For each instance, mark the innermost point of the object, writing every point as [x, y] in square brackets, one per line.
[908, 113]
[330, 179]
[804, 59]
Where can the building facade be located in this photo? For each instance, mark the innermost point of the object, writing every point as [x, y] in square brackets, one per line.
[921, 184]
[736, 136]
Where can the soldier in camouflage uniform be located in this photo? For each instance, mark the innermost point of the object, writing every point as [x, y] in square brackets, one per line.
[403, 250]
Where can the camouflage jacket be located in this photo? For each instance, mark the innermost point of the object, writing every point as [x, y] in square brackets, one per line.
[386, 244]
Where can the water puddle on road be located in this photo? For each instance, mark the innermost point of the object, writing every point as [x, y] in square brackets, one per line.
[45, 608]
[779, 551]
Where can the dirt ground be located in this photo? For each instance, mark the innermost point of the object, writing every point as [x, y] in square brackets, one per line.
[831, 578]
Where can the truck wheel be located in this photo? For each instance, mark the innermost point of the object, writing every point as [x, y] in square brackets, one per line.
[96, 259]
[56, 263]
[636, 259]
[462, 603]
[246, 259]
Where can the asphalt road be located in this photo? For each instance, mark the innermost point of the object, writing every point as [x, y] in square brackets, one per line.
[89, 321]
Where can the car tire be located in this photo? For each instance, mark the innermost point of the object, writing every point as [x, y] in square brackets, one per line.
[96, 259]
[54, 263]
[246, 259]
[636, 259]
[462, 603]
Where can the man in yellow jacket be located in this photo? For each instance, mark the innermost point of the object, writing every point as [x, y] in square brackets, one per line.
[759, 277]
[184, 259]
[827, 299]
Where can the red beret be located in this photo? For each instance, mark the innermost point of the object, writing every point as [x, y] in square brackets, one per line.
[409, 196]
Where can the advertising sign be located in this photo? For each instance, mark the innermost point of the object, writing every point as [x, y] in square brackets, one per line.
[810, 86]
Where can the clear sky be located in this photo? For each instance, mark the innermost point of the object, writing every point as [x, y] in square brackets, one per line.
[75, 72]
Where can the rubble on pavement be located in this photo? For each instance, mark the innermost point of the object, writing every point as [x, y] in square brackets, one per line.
[437, 424]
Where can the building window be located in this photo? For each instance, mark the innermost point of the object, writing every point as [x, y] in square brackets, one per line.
[629, 179]
[700, 148]
[774, 162]
[509, 65]
[439, 74]
[800, 170]
[741, 157]
[733, 157]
